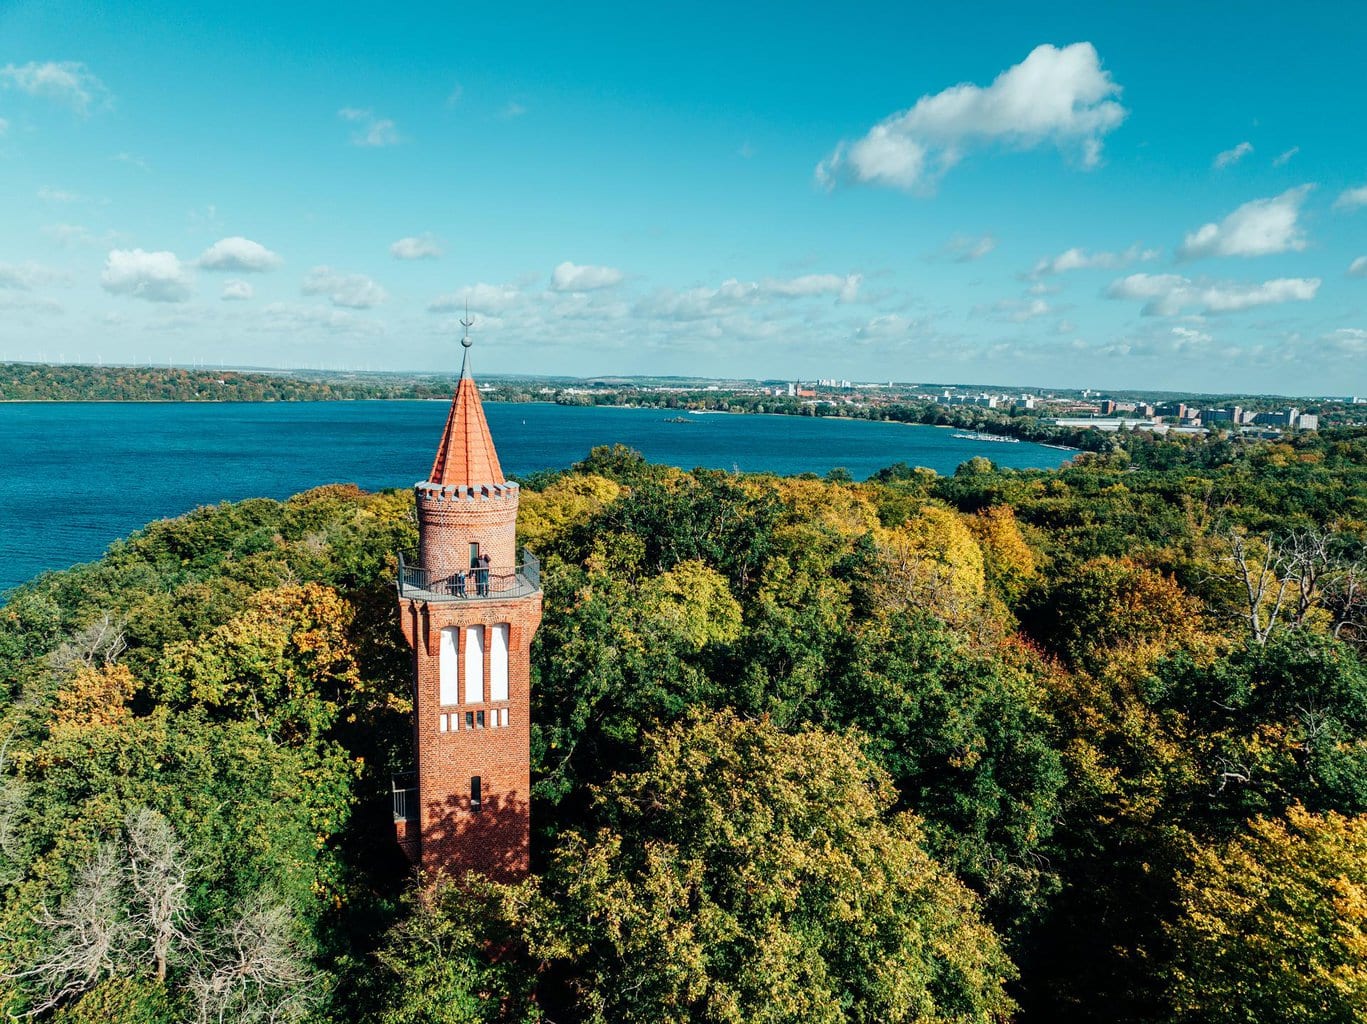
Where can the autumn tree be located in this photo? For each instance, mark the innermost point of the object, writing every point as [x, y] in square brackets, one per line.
[747, 875]
[1273, 925]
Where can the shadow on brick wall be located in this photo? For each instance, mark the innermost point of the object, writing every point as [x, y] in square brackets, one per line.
[493, 841]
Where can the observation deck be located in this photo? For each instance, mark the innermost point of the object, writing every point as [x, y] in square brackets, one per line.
[495, 583]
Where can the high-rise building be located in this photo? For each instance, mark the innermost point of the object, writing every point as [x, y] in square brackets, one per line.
[469, 610]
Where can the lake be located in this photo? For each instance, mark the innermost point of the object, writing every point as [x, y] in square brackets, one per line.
[77, 476]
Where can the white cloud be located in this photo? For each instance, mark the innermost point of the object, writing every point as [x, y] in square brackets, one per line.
[1348, 341]
[370, 130]
[1285, 156]
[290, 319]
[1233, 156]
[1081, 259]
[68, 82]
[968, 248]
[239, 254]
[416, 247]
[1358, 268]
[48, 194]
[845, 287]
[73, 235]
[732, 295]
[573, 277]
[1189, 337]
[1172, 294]
[154, 276]
[1018, 311]
[1351, 198]
[353, 291]
[1257, 228]
[481, 298]
[26, 276]
[1055, 95]
[236, 291]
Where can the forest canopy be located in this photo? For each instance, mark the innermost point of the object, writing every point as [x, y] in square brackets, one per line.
[1079, 745]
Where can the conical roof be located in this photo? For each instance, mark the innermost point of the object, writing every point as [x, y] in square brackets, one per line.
[466, 455]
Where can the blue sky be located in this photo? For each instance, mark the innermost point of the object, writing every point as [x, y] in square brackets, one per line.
[1118, 195]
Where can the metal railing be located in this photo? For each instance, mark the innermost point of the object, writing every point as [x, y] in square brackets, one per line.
[405, 791]
[492, 583]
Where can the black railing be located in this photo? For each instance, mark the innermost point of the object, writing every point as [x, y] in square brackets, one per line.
[405, 790]
[490, 583]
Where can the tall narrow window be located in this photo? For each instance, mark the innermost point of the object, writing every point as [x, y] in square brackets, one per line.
[498, 662]
[476, 794]
[447, 666]
[474, 664]
[474, 554]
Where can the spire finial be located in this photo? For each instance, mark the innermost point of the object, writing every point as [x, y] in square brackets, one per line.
[465, 341]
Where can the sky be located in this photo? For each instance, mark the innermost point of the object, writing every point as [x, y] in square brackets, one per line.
[1115, 195]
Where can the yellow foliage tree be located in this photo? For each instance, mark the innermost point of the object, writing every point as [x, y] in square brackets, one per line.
[691, 604]
[932, 561]
[1274, 924]
[544, 515]
[1009, 561]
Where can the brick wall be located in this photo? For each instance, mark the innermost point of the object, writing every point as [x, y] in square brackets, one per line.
[448, 524]
[453, 838]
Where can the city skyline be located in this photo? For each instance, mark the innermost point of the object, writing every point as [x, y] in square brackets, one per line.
[1131, 198]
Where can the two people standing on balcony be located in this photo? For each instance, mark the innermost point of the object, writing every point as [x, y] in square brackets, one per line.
[479, 572]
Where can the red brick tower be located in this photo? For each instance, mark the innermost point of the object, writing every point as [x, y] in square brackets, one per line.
[469, 611]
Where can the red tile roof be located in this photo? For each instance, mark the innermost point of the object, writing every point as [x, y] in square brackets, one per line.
[466, 456]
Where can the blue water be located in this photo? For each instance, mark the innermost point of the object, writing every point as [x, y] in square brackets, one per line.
[74, 477]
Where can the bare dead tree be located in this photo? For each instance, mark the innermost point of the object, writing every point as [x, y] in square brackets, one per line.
[99, 643]
[1308, 557]
[260, 974]
[1346, 596]
[1264, 579]
[87, 935]
[158, 877]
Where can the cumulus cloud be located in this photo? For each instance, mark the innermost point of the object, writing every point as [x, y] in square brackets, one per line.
[67, 82]
[1233, 156]
[236, 291]
[370, 130]
[352, 291]
[572, 277]
[154, 276]
[1081, 259]
[1056, 95]
[480, 298]
[1358, 268]
[1351, 198]
[239, 254]
[415, 247]
[1173, 294]
[1285, 155]
[1257, 228]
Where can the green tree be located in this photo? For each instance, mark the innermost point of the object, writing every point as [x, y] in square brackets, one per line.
[1274, 925]
[748, 875]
